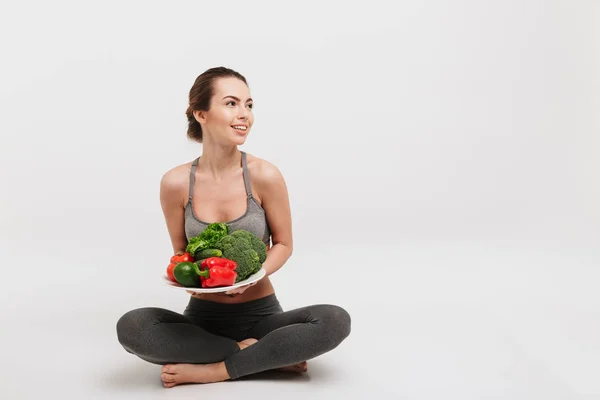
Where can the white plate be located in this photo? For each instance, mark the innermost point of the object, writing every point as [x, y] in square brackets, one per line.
[251, 279]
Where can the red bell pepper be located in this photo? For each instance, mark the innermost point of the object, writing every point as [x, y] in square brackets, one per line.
[218, 262]
[185, 257]
[170, 274]
[176, 259]
[217, 276]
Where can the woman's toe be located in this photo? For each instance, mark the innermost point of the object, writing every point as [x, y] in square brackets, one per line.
[167, 377]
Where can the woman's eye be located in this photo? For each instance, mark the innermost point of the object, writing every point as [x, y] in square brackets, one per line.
[233, 102]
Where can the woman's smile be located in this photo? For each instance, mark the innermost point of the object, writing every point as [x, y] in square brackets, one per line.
[240, 129]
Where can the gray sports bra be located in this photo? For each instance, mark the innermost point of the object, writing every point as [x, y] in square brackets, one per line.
[253, 220]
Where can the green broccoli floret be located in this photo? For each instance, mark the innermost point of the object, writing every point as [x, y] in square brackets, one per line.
[225, 243]
[257, 244]
[240, 248]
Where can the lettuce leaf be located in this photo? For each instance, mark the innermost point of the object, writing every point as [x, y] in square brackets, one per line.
[207, 238]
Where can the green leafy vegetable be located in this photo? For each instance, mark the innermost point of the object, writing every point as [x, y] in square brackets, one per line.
[207, 238]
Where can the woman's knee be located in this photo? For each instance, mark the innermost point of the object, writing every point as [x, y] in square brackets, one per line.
[337, 321]
[134, 322]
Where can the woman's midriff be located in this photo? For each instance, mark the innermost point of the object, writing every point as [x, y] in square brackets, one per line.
[263, 288]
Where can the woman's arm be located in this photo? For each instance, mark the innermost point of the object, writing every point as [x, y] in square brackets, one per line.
[275, 201]
[171, 201]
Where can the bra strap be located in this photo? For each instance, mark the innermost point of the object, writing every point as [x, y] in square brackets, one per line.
[246, 178]
[193, 177]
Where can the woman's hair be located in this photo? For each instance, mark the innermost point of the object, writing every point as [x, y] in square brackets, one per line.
[201, 93]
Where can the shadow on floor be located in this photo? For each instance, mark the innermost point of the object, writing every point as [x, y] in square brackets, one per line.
[277, 376]
[139, 374]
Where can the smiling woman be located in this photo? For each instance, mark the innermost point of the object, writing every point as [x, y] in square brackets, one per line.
[220, 84]
[245, 331]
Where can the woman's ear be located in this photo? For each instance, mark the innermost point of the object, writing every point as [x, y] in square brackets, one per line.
[200, 116]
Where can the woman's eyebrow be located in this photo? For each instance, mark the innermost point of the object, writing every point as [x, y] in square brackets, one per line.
[233, 97]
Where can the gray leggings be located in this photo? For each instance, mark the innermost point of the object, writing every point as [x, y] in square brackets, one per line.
[208, 332]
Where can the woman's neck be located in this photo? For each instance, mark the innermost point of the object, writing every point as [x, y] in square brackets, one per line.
[219, 161]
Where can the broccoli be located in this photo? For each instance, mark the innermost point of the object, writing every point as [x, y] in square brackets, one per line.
[241, 248]
[256, 243]
[207, 238]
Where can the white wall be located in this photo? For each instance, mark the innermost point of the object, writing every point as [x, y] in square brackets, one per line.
[452, 146]
[414, 120]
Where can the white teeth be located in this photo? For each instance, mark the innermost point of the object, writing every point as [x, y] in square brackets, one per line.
[242, 128]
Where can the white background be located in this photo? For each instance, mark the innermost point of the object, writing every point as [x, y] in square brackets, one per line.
[442, 159]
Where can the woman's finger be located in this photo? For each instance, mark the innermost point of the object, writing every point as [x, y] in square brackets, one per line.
[240, 289]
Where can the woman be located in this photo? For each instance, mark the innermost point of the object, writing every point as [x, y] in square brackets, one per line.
[244, 331]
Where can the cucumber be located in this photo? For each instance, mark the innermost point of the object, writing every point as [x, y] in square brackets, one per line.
[207, 253]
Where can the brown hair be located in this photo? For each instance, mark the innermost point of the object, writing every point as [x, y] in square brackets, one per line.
[201, 93]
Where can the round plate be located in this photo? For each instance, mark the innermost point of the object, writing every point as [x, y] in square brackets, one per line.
[251, 279]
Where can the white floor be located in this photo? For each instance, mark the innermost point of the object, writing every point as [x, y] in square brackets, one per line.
[430, 321]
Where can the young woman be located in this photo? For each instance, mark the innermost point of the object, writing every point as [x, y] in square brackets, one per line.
[244, 331]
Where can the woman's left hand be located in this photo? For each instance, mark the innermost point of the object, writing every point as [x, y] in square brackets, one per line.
[240, 289]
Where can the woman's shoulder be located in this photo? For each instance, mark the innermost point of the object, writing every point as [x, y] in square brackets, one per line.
[262, 170]
[265, 176]
[176, 178]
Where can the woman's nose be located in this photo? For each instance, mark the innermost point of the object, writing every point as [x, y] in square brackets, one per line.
[244, 112]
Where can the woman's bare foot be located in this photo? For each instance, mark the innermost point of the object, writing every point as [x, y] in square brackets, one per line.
[300, 367]
[246, 342]
[174, 374]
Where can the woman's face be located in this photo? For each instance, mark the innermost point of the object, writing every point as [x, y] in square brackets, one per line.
[230, 112]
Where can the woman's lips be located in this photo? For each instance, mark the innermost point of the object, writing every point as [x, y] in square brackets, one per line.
[239, 131]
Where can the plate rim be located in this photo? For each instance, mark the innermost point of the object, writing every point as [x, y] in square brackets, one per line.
[258, 275]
